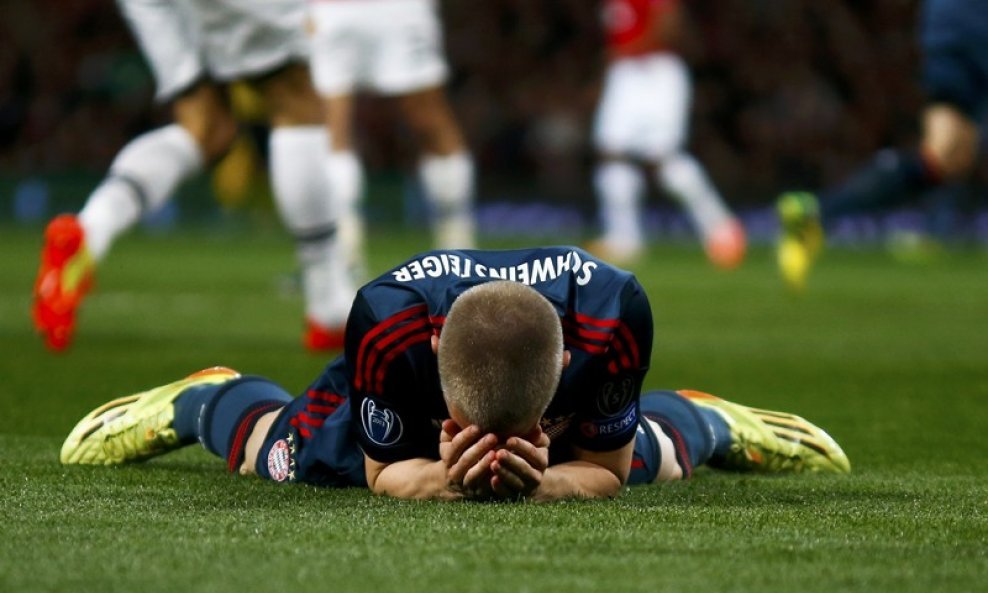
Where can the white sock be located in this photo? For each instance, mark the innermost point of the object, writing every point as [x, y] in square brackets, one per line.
[619, 187]
[297, 157]
[687, 181]
[448, 183]
[143, 176]
[346, 182]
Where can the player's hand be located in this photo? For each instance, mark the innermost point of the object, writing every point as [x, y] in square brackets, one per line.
[468, 455]
[519, 465]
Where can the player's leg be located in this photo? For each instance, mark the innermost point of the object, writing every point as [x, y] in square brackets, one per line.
[345, 175]
[147, 171]
[956, 83]
[618, 179]
[674, 437]
[679, 173]
[722, 234]
[146, 424]
[408, 64]
[309, 440]
[250, 422]
[446, 168]
[298, 154]
[338, 49]
[705, 429]
[144, 173]
[620, 185]
[764, 440]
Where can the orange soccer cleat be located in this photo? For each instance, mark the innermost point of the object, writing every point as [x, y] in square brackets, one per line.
[726, 245]
[64, 278]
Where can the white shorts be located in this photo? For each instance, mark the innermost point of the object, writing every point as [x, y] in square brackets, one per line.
[184, 40]
[644, 109]
[390, 47]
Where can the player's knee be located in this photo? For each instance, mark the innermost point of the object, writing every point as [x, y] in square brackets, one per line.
[431, 120]
[290, 97]
[950, 158]
[214, 132]
[950, 142]
[205, 114]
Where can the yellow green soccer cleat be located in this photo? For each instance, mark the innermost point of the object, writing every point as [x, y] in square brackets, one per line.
[801, 236]
[135, 427]
[773, 442]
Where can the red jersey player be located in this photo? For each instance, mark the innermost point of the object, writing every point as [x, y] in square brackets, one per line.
[642, 119]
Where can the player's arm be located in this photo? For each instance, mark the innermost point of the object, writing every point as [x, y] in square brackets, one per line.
[463, 470]
[521, 470]
[666, 23]
[593, 474]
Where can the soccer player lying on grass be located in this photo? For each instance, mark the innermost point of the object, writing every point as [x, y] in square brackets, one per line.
[468, 374]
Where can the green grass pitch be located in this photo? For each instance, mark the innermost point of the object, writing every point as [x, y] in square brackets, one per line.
[891, 359]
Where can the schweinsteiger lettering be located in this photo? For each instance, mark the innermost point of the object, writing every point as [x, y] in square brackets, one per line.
[533, 271]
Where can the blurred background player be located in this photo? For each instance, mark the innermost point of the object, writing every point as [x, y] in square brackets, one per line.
[642, 120]
[392, 48]
[194, 49]
[953, 36]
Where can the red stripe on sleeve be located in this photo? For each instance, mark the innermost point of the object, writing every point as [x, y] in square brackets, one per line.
[573, 342]
[320, 409]
[382, 345]
[604, 336]
[378, 384]
[380, 328]
[587, 320]
[305, 432]
[325, 396]
[629, 338]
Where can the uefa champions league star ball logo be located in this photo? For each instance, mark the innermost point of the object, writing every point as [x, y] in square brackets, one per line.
[615, 397]
[381, 425]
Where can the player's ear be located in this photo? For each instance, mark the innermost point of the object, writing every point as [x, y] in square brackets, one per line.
[566, 358]
[537, 437]
[435, 344]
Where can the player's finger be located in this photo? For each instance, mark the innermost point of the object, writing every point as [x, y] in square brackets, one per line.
[449, 430]
[501, 490]
[537, 457]
[459, 443]
[477, 478]
[516, 472]
[471, 456]
[537, 437]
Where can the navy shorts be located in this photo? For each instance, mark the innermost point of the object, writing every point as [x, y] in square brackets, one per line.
[311, 440]
[684, 424]
[958, 77]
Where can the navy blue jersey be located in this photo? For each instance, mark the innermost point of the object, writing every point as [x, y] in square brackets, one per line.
[956, 23]
[396, 400]
[954, 36]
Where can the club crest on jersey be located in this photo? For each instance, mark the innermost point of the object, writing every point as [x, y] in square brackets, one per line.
[381, 425]
[281, 462]
[615, 396]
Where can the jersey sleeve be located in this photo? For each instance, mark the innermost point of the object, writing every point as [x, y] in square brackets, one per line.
[607, 405]
[385, 354]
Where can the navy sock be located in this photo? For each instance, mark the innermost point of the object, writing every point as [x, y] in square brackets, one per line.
[720, 430]
[697, 436]
[222, 416]
[891, 178]
[188, 408]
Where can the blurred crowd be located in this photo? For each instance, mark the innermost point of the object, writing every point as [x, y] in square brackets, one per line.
[787, 93]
